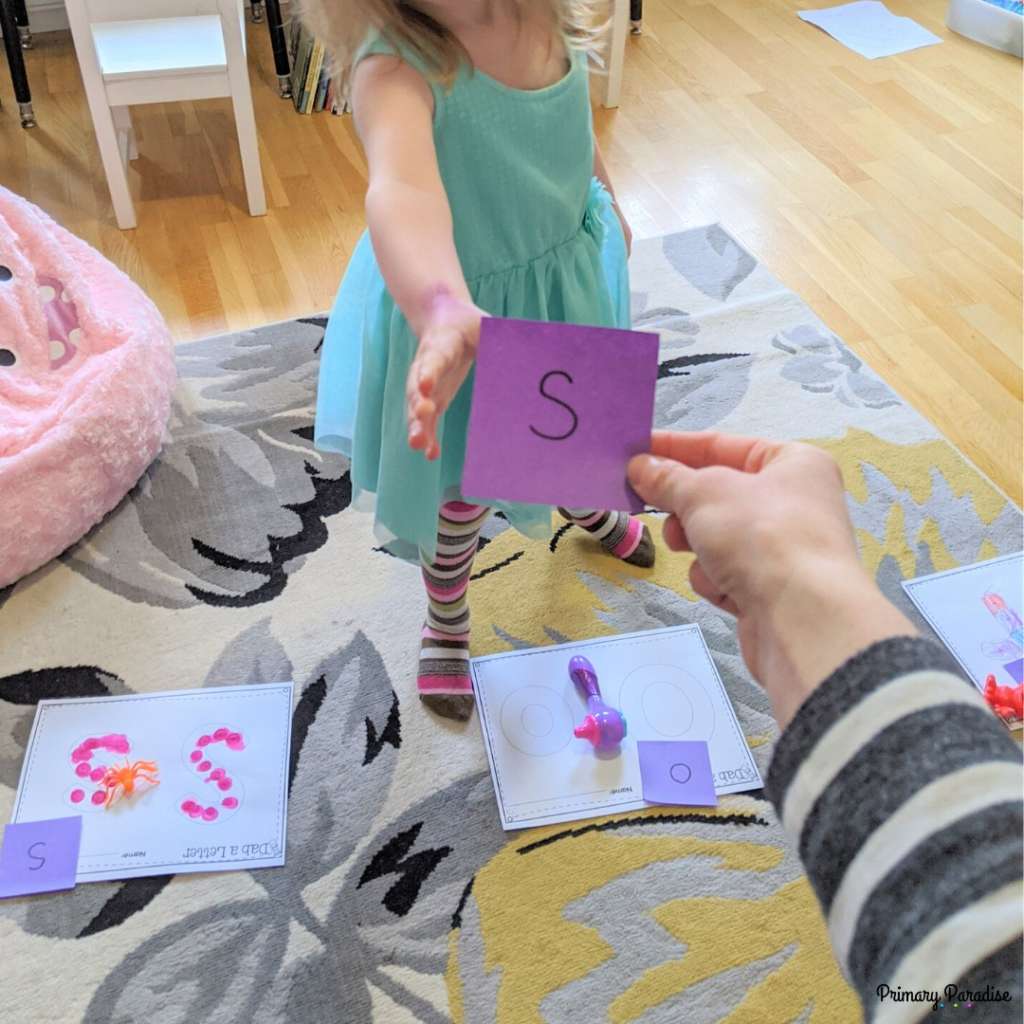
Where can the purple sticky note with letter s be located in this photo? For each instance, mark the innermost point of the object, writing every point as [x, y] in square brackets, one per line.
[39, 856]
[676, 772]
[558, 411]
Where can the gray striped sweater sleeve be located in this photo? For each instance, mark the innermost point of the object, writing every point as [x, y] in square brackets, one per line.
[903, 792]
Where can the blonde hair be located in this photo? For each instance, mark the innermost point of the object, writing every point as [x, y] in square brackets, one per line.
[343, 25]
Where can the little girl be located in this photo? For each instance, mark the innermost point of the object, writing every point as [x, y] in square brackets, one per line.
[487, 196]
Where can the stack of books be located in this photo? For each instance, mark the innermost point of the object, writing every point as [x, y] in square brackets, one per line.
[313, 87]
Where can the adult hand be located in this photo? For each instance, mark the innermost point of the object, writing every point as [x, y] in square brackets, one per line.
[775, 547]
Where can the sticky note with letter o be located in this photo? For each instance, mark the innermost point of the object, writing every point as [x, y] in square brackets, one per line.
[558, 411]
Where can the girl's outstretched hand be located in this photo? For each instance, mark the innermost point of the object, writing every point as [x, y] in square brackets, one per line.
[447, 347]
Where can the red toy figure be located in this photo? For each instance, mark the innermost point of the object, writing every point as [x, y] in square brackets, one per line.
[1006, 701]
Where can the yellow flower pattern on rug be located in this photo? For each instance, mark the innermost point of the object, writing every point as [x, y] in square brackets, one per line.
[771, 928]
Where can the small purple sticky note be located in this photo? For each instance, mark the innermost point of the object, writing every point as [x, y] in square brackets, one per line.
[39, 856]
[676, 772]
[1016, 670]
[558, 411]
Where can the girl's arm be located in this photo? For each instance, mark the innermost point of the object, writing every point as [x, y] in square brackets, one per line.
[601, 173]
[411, 228]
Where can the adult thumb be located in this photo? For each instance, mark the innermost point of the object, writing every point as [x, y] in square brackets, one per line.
[663, 483]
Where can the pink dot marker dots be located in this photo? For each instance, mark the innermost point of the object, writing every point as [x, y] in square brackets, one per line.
[217, 773]
[81, 755]
[221, 734]
[99, 797]
[187, 805]
[97, 774]
[230, 802]
[77, 796]
[204, 766]
[194, 811]
[224, 785]
[210, 814]
[196, 755]
[203, 741]
[234, 741]
[82, 769]
[91, 744]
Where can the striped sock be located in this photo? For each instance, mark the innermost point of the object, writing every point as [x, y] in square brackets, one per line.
[443, 681]
[621, 534]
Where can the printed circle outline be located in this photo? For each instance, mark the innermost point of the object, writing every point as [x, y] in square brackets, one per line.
[635, 700]
[513, 727]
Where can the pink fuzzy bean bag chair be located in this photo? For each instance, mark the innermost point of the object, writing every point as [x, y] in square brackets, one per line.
[86, 376]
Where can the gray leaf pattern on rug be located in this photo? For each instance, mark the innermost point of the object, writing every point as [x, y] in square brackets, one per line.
[399, 898]
[335, 793]
[710, 259]
[217, 962]
[821, 363]
[695, 392]
[662, 319]
[254, 656]
[249, 491]
[238, 949]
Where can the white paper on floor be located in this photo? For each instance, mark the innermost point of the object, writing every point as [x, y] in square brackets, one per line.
[664, 683]
[976, 611]
[870, 28]
[221, 757]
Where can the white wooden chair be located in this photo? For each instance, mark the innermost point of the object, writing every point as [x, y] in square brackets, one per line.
[610, 83]
[179, 50]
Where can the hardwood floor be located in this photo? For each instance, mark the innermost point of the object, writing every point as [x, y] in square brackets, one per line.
[887, 193]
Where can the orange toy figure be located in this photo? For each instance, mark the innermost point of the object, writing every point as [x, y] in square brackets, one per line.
[120, 780]
[1006, 701]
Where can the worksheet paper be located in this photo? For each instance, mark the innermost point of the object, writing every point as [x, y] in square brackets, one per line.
[870, 29]
[221, 750]
[663, 681]
[976, 611]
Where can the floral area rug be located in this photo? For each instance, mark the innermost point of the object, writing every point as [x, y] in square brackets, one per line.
[238, 559]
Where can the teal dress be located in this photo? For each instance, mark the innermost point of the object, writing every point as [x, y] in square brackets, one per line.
[537, 238]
